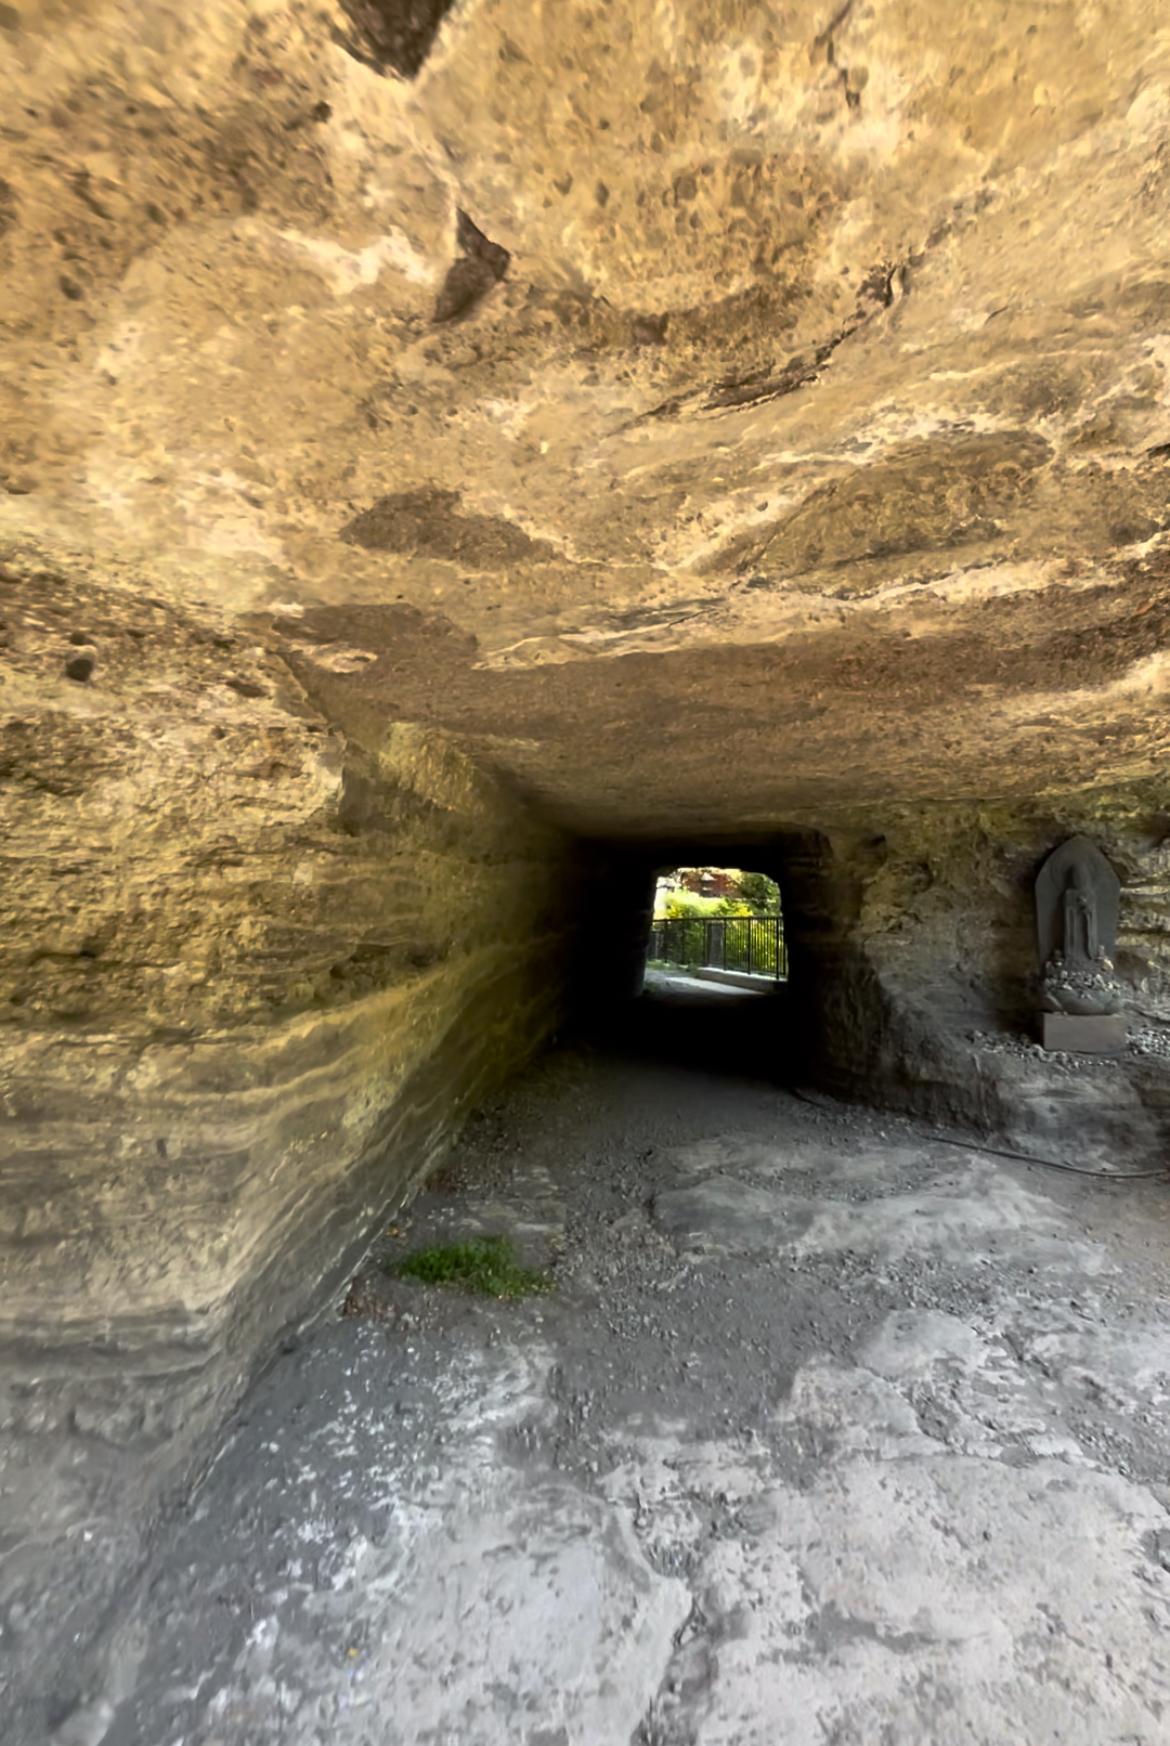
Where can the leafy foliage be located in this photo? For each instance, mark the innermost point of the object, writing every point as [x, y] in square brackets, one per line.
[750, 894]
[761, 894]
[683, 903]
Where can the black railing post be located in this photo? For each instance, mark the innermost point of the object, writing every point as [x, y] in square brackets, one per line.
[756, 944]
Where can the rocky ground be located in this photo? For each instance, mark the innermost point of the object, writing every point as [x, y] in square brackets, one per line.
[830, 1434]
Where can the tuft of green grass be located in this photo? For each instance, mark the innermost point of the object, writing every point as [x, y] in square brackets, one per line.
[488, 1266]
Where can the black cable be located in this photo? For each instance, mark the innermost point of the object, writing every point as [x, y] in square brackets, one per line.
[1054, 1163]
[1019, 1157]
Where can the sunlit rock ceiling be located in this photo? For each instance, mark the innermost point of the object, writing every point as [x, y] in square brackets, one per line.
[813, 357]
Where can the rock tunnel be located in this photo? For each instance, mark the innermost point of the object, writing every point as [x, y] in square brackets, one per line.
[455, 460]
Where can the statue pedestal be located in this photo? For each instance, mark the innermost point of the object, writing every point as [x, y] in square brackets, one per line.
[1101, 1034]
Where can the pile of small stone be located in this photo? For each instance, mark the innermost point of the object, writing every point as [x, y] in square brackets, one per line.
[1004, 1043]
[1081, 988]
[1063, 1060]
[1152, 1042]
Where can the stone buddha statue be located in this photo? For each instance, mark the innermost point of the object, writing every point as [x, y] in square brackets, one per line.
[1077, 896]
[1080, 917]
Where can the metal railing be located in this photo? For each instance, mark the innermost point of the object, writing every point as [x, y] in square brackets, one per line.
[751, 943]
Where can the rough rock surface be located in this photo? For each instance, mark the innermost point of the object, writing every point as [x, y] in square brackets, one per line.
[436, 441]
[219, 1075]
[829, 1433]
[829, 360]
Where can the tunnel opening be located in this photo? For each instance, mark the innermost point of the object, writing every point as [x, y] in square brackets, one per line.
[688, 959]
[720, 925]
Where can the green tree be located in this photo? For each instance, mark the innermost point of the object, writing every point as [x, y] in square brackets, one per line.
[761, 894]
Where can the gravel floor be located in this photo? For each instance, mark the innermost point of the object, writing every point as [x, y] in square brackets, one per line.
[828, 1434]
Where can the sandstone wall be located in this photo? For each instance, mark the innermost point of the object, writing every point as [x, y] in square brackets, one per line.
[253, 976]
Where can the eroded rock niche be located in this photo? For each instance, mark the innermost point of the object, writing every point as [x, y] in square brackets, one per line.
[916, 981]
[916, 972]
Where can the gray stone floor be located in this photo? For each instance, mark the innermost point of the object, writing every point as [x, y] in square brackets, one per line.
[830, 1434]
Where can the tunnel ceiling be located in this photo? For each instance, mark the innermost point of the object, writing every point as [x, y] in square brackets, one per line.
[713, 412]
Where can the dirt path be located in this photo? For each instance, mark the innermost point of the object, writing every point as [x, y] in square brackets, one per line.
[829, 1434]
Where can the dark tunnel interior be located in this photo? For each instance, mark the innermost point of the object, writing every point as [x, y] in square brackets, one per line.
[711, 1027]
